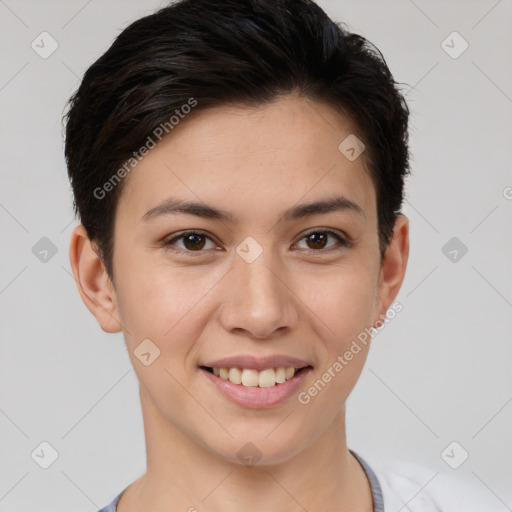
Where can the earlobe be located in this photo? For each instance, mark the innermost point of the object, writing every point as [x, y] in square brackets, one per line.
[393, 267]
[92, 281]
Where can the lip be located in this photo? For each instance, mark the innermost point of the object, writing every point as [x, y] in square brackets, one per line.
[256, 397]
[257, 363]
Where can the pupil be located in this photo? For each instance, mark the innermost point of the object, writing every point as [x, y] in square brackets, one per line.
[194, 241]
[318, 240]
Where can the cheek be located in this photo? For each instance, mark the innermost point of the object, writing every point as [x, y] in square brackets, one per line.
[344, 305]
[344, 300]
[343, 357]
[162, 302]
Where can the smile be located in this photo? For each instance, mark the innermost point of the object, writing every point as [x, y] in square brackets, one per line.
[256, 383]
[250, 377]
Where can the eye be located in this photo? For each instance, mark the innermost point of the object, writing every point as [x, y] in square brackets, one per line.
[319, 240]
[198, 241]
[192, 241]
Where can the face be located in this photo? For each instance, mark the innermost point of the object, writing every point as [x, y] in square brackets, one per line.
[275, 266]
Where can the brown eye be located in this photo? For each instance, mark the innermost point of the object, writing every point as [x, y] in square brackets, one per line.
[190, 241]
[194, 242]
[319, 240]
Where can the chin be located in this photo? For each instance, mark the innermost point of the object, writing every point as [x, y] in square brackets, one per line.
[257, 451]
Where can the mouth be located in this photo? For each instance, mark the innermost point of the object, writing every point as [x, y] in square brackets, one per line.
[251, 377]
[256, 381]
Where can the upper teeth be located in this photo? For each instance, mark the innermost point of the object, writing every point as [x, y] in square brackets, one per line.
[249, 377]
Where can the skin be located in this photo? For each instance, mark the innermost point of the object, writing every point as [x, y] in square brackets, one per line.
[298, 299]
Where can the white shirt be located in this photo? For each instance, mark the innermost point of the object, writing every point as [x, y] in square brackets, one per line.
[409, 487]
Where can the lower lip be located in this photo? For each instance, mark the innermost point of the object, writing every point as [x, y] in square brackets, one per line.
[254, 396]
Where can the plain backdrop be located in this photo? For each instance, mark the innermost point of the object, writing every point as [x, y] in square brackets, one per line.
[439, 372]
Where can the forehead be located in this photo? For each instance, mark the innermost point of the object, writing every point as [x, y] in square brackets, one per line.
[251, 159]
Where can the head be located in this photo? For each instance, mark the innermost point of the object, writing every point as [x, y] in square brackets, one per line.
[289, 135]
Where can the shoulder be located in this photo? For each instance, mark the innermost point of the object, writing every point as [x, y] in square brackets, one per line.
[409, 486]
[108, 508]
[111, 507]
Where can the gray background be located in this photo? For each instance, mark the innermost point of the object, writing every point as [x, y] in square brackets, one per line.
[439, 372]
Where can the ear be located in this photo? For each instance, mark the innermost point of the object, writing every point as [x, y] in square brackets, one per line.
[393, 267]
[95, 287]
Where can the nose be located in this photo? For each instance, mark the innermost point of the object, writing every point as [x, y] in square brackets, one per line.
[258, 300]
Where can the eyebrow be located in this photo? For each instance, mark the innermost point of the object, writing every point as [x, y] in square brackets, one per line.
[175, 206]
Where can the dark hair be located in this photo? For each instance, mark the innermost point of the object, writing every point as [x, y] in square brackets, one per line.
[215, 52]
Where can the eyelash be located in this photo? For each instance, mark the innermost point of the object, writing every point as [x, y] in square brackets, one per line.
[344, 243]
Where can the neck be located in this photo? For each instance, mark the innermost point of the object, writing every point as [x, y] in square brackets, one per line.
[184, 475]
